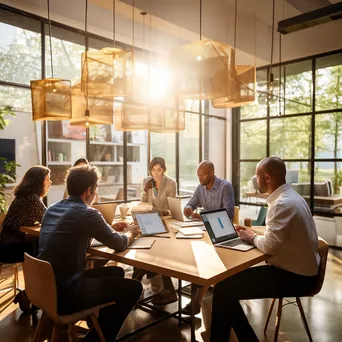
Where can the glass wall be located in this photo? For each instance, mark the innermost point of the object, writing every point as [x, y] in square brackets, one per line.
[302, 116]
[121, 157]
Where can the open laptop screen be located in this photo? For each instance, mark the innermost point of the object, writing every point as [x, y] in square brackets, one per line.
[218, 225]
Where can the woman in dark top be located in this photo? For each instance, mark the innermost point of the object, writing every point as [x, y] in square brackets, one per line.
[27, 209]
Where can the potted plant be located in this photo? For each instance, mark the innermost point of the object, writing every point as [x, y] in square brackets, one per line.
[8, 174]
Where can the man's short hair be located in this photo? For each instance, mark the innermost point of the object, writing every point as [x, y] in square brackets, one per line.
[80, 178]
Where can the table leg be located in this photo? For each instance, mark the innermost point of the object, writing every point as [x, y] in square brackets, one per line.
[179, 300]
[193, 308]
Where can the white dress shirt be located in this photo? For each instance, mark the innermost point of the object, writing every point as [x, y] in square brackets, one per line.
[290, 234]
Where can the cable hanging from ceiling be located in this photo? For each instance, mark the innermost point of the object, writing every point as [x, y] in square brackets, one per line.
[51, 97]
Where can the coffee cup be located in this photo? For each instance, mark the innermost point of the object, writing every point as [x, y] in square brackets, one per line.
[247, 222]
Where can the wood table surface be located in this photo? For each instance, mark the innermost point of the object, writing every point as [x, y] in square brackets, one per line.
[194, 260]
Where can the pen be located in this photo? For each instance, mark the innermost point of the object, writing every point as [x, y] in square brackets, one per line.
[163, 237]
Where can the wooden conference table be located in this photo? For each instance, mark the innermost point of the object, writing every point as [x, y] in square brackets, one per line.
[193, 260]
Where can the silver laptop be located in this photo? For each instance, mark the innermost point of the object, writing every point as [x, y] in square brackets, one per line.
[177, 214]
[107, 210]
[221, 230]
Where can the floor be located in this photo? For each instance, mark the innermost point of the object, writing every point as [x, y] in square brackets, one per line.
[323, 313]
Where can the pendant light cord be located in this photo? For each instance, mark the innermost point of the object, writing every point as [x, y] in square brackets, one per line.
[235, 24]
[114, 22]
[86, 57]
[200, 21]
[133, 26]
[49, 19]
[272, 42]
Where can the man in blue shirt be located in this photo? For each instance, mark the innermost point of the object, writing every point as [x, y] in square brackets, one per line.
[67, 229]
[212, 193]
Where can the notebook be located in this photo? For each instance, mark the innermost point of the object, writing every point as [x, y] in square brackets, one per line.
[142, 243]
[221, 230]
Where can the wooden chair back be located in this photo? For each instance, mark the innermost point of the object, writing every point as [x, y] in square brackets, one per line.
[40, 285]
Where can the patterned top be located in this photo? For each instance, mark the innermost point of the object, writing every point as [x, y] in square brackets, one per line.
[24, 211]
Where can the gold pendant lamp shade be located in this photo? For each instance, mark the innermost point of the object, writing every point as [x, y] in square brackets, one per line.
[158, 118]
[88, 111]
[166, 117]
[51, 99]
[108, 72]
[241, 90]
[203, 69]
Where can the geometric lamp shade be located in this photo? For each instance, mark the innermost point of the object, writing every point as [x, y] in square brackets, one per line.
[131, 116]
[108, 72]
[100, 110]
[203, 69]
[157, 117]
[167, 118]
[240, 91]
[51, 99]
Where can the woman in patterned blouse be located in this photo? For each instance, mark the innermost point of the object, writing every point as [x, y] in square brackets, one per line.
[26, 210]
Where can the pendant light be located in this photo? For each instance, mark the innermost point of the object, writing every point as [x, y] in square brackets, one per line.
[142, 111]
[89, 110]
[240, 89]
[203, 68]
[51, 97]
[108, 72]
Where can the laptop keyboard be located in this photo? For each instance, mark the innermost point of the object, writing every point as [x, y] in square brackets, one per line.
[232, 243]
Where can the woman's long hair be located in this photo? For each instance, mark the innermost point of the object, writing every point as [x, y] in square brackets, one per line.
[32, 182]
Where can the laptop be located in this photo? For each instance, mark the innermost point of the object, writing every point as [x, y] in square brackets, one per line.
[151, 224]
[107, 210]
[177, 214]
[221, 230]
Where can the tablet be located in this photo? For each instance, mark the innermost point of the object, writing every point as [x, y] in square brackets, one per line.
[151, 224]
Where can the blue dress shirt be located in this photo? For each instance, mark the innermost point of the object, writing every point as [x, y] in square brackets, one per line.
[67, 229]
[221, 195]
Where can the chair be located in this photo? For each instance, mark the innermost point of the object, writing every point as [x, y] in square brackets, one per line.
[40, 287]
[261, 219]
[323, 248]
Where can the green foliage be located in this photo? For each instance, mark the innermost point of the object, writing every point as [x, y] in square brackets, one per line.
[9, 175]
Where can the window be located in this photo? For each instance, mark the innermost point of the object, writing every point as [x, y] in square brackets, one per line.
[20, 48]
[189, 155]
[289, 135]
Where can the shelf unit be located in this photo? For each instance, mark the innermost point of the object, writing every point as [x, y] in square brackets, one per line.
[106, 153]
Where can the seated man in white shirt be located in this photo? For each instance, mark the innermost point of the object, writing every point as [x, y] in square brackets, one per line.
[290, 237]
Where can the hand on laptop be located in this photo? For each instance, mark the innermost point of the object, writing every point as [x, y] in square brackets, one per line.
[187, 211]
[196, 216]
[246, 234]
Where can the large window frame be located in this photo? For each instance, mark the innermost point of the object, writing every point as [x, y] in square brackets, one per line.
[268, 119]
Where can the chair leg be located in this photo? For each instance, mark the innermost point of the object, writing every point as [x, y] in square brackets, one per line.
[98, 328]
[55, 333]
[71, 333]
[305, 323]
[269, 315]
[280, 307]
[15, 280]
[39, 329]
